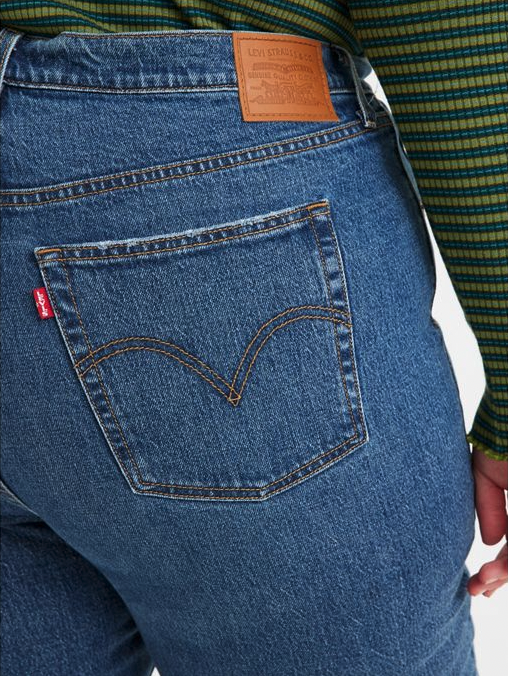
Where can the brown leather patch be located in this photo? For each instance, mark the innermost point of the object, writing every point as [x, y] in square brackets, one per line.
[281, 77]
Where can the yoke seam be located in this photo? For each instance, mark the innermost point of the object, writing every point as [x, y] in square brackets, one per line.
[203, 171]
[175, 165]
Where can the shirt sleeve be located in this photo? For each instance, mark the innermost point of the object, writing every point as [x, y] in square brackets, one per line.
[443, 66]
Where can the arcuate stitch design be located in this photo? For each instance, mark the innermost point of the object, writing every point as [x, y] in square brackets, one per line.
[200, 367]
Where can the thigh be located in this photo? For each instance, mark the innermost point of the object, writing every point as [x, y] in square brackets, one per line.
[59, 613]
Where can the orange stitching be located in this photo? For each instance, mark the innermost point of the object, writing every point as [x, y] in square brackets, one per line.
[269, 493]
[155, 349]
[127, 474]
[272, 483]
[279, 326]
[231, 389]
[189, 354]
[176, 165]
[209, 231]
[151, 483]
[350, 339]
[336, 338]
[204, 171]
[196, 488]
[99, 378]
[46, 251]
[281, 314]
[54, 305]
[175, 248]
[155, 340]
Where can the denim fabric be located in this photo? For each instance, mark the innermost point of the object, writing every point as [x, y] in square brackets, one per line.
[238, 447]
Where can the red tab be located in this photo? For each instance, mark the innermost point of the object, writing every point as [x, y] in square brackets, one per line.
[42, 303]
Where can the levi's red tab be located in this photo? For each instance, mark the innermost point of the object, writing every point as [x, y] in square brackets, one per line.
[42, 303]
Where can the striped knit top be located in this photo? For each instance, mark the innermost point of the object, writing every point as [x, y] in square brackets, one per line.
[443, 65]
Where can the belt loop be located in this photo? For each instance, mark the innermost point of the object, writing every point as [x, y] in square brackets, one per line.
[404, 156]
[8, 39]
[360, 67]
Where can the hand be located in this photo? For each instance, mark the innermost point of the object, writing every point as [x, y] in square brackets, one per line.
[491, 481]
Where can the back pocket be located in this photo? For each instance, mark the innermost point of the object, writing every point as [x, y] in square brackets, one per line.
[219, 362]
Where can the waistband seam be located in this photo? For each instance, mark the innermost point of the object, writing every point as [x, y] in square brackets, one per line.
[227, 86]
[195, 33]
[170, 63]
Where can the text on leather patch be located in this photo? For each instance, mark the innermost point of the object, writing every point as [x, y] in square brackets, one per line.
[281, 77]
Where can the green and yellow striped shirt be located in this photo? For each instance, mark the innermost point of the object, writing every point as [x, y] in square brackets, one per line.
[443, 65]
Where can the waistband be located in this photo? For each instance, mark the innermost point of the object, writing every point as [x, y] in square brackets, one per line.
[154, 61]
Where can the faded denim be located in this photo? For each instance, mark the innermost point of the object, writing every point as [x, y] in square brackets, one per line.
[238, 447]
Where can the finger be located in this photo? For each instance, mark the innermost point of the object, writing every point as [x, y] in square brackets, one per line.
[497, 569]
[476, 587]
[491, 575]
[490, 506]
[493, 588]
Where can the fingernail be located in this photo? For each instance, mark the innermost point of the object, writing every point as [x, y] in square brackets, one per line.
[489, 592]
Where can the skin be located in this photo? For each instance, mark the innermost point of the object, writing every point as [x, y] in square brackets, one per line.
[491, 482]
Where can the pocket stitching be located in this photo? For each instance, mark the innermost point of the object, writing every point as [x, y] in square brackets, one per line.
[175, 248]
[261, 491]
[165, 342]
[231, 389]
[158, 240]
[103, 388]
[230, 386]
[276, 328]
[329, 291]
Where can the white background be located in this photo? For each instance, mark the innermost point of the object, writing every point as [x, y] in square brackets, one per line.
[490, 615]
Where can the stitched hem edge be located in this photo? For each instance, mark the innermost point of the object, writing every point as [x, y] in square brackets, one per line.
[480, 446]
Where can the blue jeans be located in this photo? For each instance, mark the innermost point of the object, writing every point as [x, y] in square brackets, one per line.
[237, 448]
